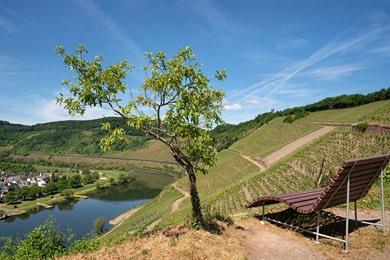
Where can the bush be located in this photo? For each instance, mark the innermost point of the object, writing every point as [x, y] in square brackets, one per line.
[361, 127]
[45, 242]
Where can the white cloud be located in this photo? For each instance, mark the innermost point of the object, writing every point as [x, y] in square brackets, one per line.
[35, 109]
[279, 80]
[384, 50]
[48, 110]
[335, 72]
[232, 106]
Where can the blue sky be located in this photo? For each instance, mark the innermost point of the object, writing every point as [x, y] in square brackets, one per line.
[278, 54]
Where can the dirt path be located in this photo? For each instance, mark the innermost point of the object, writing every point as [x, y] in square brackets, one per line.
[176, 203]
[285, 150]
[261, 166]
[153, 225]
[266, 241]
[124, 216]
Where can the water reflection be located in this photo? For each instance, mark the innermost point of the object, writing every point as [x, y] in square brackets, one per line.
[79, 215]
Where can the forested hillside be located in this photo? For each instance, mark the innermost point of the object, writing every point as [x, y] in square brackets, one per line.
[74, 136]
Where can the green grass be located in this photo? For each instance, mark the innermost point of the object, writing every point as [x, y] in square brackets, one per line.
[381, 115]
[271, 137]
[50, 200]
[150, 212]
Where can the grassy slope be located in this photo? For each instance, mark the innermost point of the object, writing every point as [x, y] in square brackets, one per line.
[151, 150]
[220, 190]
[270, 137]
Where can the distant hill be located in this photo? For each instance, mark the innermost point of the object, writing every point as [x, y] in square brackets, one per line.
[83, 136]
[226, 134]
[73, 136]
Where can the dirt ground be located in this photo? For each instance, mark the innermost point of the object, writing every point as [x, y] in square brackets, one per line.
[250, 238]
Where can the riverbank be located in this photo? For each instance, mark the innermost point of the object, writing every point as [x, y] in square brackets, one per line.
[30, 205]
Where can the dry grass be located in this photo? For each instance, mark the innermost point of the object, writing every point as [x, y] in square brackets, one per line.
[191, 245]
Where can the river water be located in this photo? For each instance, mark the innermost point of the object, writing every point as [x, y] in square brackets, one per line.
[80, 215]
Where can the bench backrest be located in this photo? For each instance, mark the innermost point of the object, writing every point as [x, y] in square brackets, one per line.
[362, 173]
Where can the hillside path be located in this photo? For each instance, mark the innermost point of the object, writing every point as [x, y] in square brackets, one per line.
[248, 158]
[176, 203]
[123, 216]
[285, 150]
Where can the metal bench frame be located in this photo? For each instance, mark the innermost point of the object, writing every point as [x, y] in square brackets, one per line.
[347, 201]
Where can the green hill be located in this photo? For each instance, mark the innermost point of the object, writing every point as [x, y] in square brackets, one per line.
[225, 135]
[74, 136]
[221, 190]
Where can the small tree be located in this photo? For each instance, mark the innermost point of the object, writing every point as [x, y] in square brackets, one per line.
[98, 226]
[176, 105]
[11, 198]
[67, 193]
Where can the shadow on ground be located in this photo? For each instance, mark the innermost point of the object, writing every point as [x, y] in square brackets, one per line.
[330, 223]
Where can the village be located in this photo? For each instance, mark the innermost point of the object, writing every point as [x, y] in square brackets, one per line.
[10, 181]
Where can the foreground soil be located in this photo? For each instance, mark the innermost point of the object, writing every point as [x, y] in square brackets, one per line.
[190, 245]
[247, 238]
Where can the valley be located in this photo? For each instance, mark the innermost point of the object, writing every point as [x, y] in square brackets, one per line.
[272, 158]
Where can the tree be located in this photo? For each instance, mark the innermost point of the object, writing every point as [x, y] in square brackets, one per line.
[11, 198]
[125, 178]
[98, 226]
[112, 181]
[75, 181]
[176, 105]
[67, 193]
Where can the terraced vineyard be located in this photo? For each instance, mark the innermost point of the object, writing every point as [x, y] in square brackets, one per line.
[230, 169]
[301, 169]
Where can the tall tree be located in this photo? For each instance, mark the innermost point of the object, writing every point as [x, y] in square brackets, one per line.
[176, 105]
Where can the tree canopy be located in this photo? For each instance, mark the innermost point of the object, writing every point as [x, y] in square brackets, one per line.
[175, 105]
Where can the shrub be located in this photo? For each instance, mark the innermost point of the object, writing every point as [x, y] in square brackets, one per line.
[361, 127]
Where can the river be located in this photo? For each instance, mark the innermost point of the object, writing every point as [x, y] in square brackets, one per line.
[80, 215]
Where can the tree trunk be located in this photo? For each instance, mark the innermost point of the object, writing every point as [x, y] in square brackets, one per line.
[195, 201]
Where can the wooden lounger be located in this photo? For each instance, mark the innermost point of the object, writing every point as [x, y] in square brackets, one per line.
[351, 183]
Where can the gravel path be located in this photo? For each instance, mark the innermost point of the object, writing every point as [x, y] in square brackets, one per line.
[285, 150]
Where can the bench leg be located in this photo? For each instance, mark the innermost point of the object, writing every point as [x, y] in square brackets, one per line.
[383, 203]
[347, 217]
[355, 208]
[262, 212]
[318, 226]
